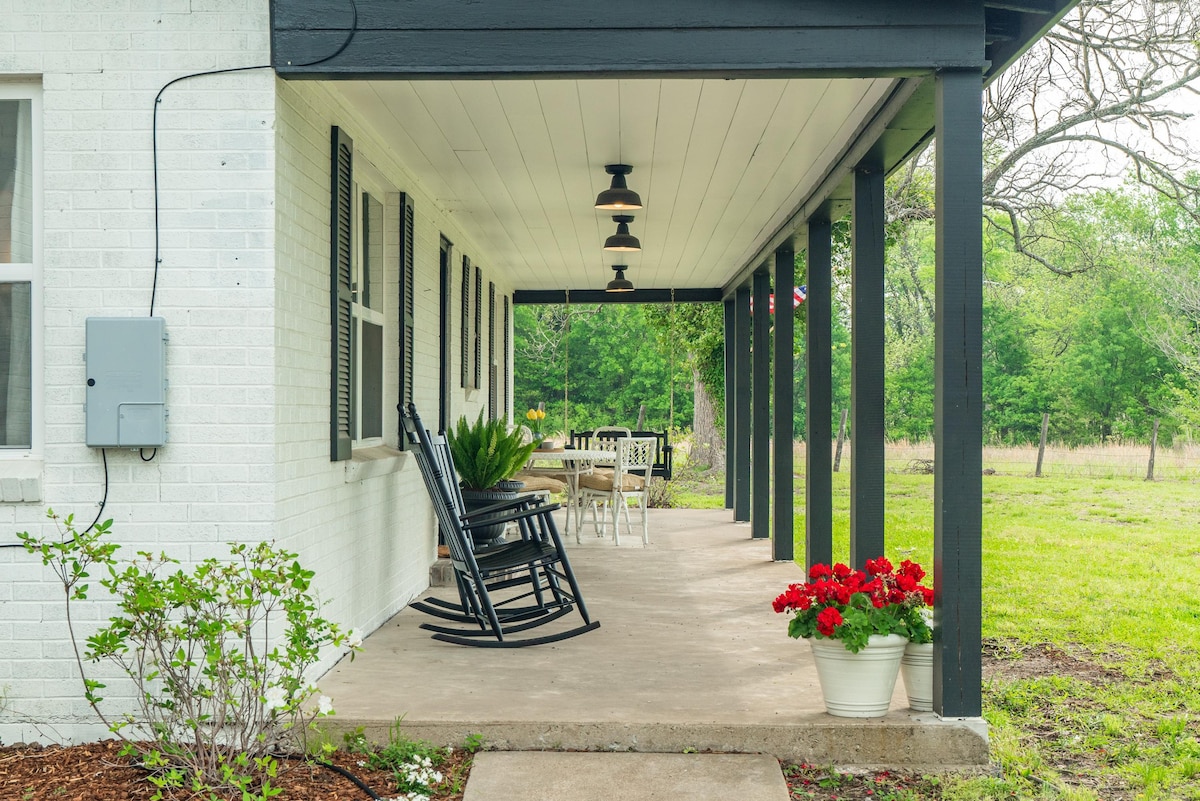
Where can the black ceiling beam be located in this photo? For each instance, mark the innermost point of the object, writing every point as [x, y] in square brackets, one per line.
[423, 39]
[548, 296]
[1046, 7]
[1032, 18]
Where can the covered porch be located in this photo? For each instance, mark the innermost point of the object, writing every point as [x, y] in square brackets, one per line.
[689, 655]
[751, 129]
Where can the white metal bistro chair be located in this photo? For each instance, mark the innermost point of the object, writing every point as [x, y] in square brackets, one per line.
[629, 481]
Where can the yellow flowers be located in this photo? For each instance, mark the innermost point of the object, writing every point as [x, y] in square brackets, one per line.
[535, 418]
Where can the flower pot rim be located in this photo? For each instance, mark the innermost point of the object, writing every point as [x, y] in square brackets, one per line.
[874, 639]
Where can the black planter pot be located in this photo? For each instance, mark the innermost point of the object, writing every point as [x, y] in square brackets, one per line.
[487, 536]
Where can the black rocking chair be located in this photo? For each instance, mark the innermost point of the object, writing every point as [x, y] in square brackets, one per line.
[535, 566]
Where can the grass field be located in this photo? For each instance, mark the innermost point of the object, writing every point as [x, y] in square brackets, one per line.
[1091, 624]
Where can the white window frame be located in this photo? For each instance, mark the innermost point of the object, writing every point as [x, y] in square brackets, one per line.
[31, 272]
[367, 181]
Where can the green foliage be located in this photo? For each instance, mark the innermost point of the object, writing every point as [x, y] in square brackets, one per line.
[420, 769]
[216, 693]
[485, 453]
[604, 366]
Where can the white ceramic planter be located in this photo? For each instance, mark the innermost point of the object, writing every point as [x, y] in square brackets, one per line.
[858, 685]
[916, 667]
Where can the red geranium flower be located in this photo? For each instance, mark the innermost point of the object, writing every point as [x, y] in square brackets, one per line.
[851, 605]
[828, 620]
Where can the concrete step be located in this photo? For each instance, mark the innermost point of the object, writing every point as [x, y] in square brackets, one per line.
[622, 776]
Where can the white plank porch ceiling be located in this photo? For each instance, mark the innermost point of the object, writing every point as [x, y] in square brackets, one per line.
[719, 165]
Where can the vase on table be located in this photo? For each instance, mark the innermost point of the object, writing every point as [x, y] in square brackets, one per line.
[916, 668]
[858, 685]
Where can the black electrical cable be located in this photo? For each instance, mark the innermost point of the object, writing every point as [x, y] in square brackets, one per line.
[336, 769]
[103, 503]
[104, 500]
[154, 128]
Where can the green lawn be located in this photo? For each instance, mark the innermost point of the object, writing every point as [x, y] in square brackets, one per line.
[1091, 625]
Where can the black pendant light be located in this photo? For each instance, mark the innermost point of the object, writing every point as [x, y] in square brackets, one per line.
[623, 241]
[620, 283]
[618, 197]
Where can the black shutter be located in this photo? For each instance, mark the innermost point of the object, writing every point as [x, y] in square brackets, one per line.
[493, 395]
[478, 328]
[406, 305]
[507, 374]
[465, 325]
[341, 199]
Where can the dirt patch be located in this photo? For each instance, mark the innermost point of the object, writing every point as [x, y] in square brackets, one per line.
[1005, 660]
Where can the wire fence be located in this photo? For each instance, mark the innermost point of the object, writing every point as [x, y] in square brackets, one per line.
[1178, 462]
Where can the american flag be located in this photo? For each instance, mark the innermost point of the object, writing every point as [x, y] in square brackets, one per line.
[798, 295]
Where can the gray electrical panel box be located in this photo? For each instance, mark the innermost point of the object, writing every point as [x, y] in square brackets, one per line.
[126, 361]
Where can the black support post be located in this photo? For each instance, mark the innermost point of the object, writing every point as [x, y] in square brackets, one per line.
[739, 445]
[866, 381]
[958, 401]
[782, 536]
[730, 408]
[760, 423]
[818, 358]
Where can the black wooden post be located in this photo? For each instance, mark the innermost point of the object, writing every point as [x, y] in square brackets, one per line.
[760, 424]
[739, 446]
[782, 536]
[818, 358]
[730, 408]
[958, 402]
[866, 373]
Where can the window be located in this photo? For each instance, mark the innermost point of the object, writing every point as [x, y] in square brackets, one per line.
[359, 331]
[366, 311]
[19, 281]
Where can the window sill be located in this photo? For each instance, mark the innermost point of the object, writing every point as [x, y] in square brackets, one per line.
[21, 480]
[373, 462]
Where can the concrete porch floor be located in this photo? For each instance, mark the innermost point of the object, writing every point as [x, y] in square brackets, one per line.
[689, 656]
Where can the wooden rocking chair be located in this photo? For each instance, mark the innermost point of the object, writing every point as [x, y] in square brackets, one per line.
[535, 566]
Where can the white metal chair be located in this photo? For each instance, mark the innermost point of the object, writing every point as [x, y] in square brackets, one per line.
[603, 438]
[630, 480]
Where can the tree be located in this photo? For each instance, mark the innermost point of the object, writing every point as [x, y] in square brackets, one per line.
[1094, 99]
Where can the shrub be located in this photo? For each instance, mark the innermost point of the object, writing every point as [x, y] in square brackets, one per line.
[217, 655]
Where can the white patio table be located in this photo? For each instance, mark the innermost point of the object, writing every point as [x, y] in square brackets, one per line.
[572, 463]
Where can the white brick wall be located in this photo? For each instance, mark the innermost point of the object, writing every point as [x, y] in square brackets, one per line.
[100, 64]
[243, 174]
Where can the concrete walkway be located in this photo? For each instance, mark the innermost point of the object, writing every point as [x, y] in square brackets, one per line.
[689, 657]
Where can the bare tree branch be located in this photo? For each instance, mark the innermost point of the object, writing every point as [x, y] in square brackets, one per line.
[1096, 98]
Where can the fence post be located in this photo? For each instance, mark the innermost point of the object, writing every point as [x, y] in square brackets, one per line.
[837, 456]
[1042, 444]
[1153, 448]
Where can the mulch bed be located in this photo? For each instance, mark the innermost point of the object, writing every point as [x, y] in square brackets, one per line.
[97, 772]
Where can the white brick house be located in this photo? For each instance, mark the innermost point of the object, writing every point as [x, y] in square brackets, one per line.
[243, 284]
[332, 205]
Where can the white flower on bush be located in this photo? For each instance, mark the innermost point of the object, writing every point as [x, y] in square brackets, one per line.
[324, 705]
[353, 639]
[275, 698]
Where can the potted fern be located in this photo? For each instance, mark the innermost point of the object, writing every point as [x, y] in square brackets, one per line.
[486, 457]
